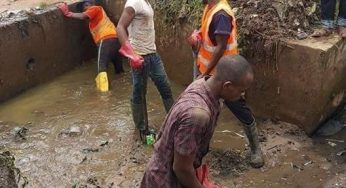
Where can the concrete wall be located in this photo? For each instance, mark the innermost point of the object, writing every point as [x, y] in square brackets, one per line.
[305, 85]
[37, 49]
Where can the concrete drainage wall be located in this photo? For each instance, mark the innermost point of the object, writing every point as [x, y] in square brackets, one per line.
[304, 85]
[38, 48]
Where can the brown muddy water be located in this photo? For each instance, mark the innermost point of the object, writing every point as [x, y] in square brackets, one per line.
[78, 137]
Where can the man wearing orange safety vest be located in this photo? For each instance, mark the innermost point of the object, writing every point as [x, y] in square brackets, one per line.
[216, 38]
[105, 37]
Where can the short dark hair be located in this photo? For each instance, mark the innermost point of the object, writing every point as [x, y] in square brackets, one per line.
[233, 68]
[80, 5]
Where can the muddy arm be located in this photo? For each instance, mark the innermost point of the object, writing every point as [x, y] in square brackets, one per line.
[79, 16]
[184, 170]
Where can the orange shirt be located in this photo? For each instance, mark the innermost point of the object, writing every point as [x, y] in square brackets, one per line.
[99, 24]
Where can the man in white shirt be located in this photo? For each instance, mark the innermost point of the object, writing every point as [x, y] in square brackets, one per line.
[136, 34]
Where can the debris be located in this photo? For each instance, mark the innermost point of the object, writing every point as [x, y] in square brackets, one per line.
[72, 131]
[341, 153]
[272, 147]
[228, 131]
[104, 143]
[20, 133]
[307, 163]
[84, 159]
[90, 150]
[331, 143]
[334, 140]
[229, 162]
[297, 167]
[301, 34]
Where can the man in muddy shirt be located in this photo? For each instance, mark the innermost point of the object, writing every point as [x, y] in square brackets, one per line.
[103, 32]
[184, 138]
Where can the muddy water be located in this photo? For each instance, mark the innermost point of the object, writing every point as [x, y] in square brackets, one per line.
[103, 148]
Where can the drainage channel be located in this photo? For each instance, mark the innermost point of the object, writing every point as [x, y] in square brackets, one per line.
[77, 136]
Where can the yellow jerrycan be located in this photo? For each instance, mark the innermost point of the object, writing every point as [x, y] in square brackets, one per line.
[102, 82]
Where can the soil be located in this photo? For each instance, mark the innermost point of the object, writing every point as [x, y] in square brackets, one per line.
[10, 176]
[262, 24]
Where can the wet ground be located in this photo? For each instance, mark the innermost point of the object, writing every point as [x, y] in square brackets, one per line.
[78, 137]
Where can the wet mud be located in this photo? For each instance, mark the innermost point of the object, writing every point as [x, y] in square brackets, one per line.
[78, 137]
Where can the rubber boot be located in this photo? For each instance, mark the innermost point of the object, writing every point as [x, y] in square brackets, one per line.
[257, 160]
[168, 103]
[102, 82]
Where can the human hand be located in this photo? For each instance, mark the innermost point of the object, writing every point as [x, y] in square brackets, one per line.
[63, 7]
[136, 61]
[195, 39]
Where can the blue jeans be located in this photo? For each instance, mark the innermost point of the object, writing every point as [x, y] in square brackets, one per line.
[153, 67]
[328, 13]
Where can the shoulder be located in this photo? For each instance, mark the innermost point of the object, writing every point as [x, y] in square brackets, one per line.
[93, 10]
[197, 116]
[135, 4]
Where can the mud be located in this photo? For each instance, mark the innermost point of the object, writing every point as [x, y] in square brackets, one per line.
[78, 137]
[7, 170]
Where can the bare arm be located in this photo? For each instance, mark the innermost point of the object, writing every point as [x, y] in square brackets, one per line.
[184, 170]
[79, 16]
[186, 143]
[124, 22]
[221, 46]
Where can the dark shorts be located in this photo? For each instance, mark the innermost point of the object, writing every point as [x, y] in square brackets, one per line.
[108, 51]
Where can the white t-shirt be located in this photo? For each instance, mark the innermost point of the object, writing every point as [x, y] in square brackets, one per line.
[141, 30]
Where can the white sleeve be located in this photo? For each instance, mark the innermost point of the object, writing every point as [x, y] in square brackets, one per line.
[135, 4]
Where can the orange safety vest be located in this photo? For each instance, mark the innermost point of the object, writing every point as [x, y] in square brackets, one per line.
[104, 29]
[207, 48]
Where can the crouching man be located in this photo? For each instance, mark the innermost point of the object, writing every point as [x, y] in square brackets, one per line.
[105, 37]
[184, 138]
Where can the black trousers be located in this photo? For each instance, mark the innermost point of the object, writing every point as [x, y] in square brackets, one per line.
[241, 111]
[108, 52]
[328, 8]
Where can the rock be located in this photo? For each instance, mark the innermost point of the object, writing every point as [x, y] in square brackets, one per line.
[19, 133]
[72, 131]
[301, 35]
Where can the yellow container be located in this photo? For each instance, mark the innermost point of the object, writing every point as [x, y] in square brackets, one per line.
[102, 82]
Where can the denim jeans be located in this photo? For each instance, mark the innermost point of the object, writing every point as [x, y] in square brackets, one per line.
[154, 69]
[328, 13]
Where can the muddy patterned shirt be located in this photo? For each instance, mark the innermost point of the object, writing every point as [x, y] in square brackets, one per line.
[185, 132]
